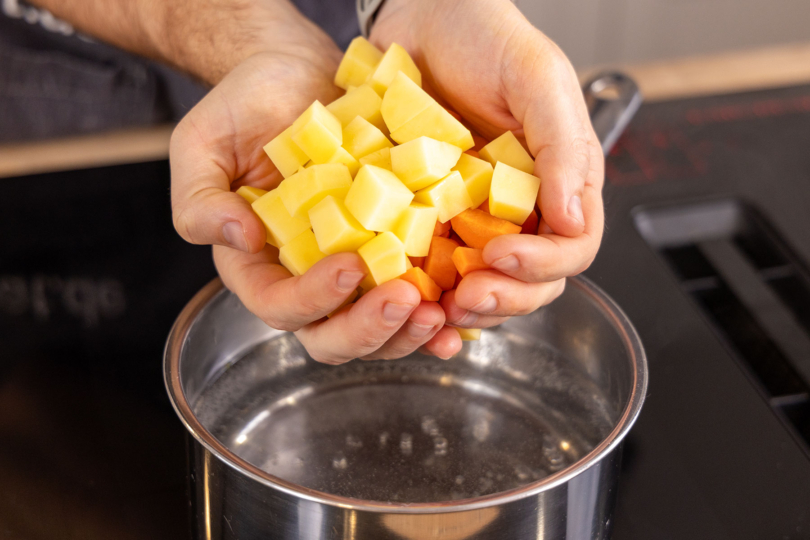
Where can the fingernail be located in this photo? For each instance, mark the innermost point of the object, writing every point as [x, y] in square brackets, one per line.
[509, 263]
[468, 320]
[235, 235]
[416, 330]
[394, 313]
[487, 305]
[575, 209]
[347, 281]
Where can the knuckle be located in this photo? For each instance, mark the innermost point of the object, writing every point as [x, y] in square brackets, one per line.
[274, 321]
[184, 223]
[368, 342]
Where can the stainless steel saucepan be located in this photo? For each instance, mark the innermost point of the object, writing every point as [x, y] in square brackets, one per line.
[517, 437]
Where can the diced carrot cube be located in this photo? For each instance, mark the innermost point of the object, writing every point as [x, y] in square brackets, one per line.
[439, 262]
[427, 288]
[476, 227]
[468, 260]
[417, 261]
[473, 153]
[484, 206]
[478, 141]
[441, 229]
[459, 277]
[531, 224]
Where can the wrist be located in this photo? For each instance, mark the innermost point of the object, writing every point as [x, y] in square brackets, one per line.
[209, 39]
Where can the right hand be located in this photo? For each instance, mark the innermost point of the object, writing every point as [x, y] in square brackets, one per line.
[218, 147]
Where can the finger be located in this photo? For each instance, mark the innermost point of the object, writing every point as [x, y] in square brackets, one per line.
[543, 94]
[363, 329]
[488, 292]
[444, 344]
[458, 316]
[204, 209]
[549, 257]
[282, 301]
[422, 325]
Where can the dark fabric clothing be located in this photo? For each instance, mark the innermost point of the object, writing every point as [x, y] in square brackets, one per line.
[56, 82]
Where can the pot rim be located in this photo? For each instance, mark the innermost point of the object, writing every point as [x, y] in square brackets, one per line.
[171, 373]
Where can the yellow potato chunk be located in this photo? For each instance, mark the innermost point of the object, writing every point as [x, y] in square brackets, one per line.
[250, 193]
[336, 230]
[364, 102]
[403, 100]
[469, 334]
[435, 122]
[507, 149]
[281, 227]
[344, 157]
[394, 60]
[357, 64]
[423, 161]
[380, 158]
[367, 284]
[477, 176]
[361, 138]
[384, 256]
[415, 229]
[449, 196]
[513, 193]
[377, 198]
[285, 154]
[300, 253]
[318, 133]
[304, 190]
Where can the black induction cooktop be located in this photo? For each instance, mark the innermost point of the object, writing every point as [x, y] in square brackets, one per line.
[706, 249]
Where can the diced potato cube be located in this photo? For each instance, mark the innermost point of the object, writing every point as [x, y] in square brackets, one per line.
[477, 176]
[301, 253]
[250, 193]
[318, 133]
[285, 154]
[364, 102]
[367, 284]
[435, 122]
[281, 227]
[403, 100]
[469, 334]
[394, 60]
[361, 138]
[380, 158]
[513, 193]
[377, 198]
[357, 64]
[344, 157]
[336, 230]
[415, 229]
[384, 256]
[507, 149]
[423, 161]
[304, 190]
[449, 196]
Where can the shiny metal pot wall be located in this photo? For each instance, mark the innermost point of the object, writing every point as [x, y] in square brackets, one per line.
[517, 437]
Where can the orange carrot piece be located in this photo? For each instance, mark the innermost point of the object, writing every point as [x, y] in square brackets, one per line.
[456, 238]
[417, 261]
[478, 141]
[458, 281]
[476, 227]
[424, 284]
[439, 262]
[531, 223]
[468, 260]
[472, 153]
[485, 206]
[441, 229]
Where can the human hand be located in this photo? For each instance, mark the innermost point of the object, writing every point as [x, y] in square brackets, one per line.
[218, 147]
[483, 59]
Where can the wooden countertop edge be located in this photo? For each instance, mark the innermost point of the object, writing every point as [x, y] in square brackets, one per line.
[670, 79]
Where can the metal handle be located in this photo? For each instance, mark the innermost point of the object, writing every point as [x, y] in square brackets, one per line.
[612, 99]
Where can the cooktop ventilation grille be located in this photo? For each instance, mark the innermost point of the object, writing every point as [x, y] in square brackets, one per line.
[752, 288]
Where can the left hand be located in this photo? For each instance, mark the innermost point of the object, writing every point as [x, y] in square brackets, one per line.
[486, 61]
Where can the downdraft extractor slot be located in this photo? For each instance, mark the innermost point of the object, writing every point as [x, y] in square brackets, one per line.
[752, 288]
